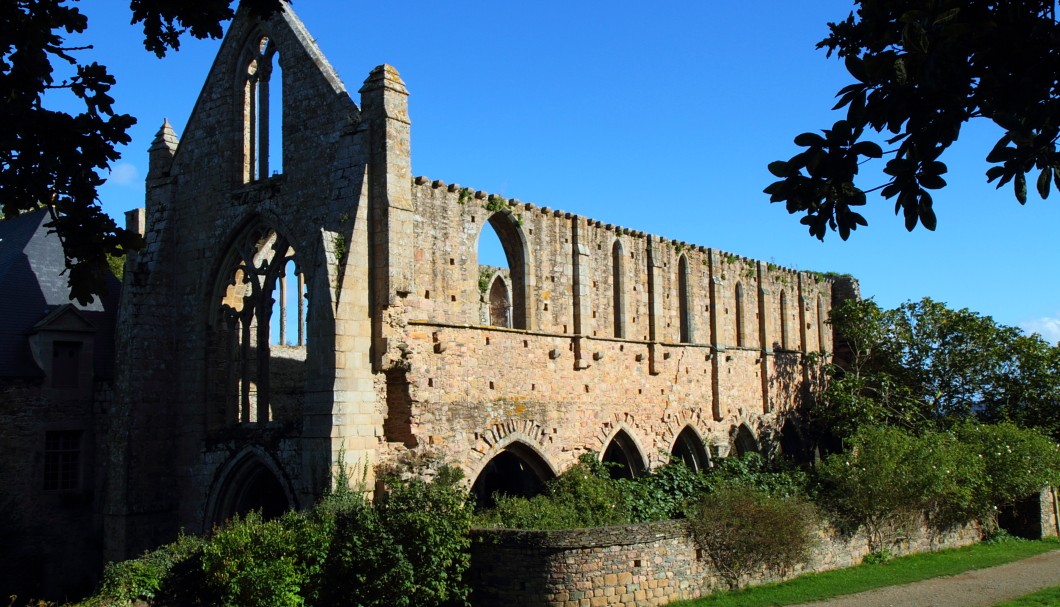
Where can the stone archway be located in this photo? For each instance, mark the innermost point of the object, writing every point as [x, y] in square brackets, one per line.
[689, 448]
[623, 456]
[517, 470]
[250, 482]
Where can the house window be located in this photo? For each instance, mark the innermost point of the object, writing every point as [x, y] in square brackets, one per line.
[66, 368]
[62, 460]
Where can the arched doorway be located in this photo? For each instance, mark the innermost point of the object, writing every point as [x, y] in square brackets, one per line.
[517, 471]
[689, 448]
[623, 458]
[251, 484]
[745, 441]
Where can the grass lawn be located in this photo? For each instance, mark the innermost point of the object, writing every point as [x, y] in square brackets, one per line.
[1049, 597]
[817, 586]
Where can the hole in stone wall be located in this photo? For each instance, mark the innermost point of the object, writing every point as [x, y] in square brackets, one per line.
[426, 294]
[397, 427]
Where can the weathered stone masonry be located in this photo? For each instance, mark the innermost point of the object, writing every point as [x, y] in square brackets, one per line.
[610, 340]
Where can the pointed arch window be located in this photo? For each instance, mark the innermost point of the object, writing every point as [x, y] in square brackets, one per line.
[262, 111]
[259, 332]
[618, 288]
[500, 302]
[502, 251]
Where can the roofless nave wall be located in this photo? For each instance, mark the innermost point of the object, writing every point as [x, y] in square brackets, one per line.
[282, 314]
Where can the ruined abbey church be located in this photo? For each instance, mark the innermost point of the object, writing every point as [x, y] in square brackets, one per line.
[282, 316]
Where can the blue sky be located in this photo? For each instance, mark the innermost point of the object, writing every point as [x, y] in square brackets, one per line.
[660, 119]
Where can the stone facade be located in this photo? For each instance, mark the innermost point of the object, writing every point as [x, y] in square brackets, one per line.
[56, 371]
[636, 565]
[395, 341]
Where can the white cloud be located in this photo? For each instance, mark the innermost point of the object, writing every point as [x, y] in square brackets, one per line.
[124, 174]
[1047, 327]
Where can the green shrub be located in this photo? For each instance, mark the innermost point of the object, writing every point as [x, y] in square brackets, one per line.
[431, 522]
[743, 531]
[150, 577]
[364, 566]
[254, 563]
[876, 484]
[664, 494]
[753, 471]
[1017, 462]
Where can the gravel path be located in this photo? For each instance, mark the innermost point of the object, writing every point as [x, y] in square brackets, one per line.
[983, 587]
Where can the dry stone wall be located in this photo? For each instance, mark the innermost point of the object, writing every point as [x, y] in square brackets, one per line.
[636, 565]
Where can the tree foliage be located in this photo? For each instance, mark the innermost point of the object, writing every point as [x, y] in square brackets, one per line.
[56, 158]
[924, 365]
[921, 70]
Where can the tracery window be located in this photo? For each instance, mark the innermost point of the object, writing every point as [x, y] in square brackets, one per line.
[260, 327]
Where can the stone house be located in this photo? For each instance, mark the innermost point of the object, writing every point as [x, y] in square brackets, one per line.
[56, 370]
[302, 296]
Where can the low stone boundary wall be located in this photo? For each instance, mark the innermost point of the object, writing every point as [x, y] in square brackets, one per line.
[633, 565]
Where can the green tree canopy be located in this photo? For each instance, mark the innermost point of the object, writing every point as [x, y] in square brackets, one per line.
[54, 158]
[921, 70]
[924, 365]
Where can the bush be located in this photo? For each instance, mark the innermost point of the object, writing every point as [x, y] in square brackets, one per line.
[755, 472]
[1018, 462]
[664, 494]
[152, 577]
[431, 522]
[254, 563]
[744, 531]
[364, 565]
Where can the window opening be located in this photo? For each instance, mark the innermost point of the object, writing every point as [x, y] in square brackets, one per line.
[745, 441]
[262, 112]
[822, 317]
[62, 460]
[783, 320]
[618, 288]
[66, 364]
[500, 252]
[739, 315]
[288, 310]
[500, 302]
[683, 300]
[262, 329]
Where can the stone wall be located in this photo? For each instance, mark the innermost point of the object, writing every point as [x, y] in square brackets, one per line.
[635, 565]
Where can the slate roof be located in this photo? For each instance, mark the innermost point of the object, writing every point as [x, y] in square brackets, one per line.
[32, 285]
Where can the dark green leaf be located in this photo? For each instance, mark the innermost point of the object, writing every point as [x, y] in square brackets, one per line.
[1044, 179]
[779, 168]
[1020, 186]
[809, 139]
[868, 149]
